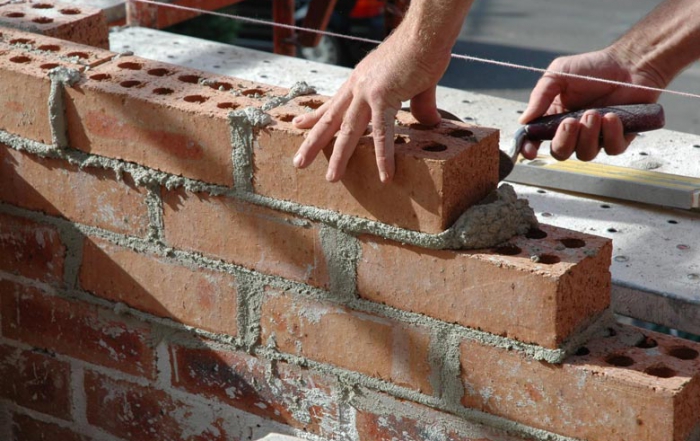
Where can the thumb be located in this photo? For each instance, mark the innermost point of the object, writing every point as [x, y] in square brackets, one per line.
[424, 107]
[541, 98]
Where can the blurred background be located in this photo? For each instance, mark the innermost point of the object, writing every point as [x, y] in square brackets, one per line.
[526, 32]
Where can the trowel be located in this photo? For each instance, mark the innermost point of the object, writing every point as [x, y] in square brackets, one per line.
[636, 118]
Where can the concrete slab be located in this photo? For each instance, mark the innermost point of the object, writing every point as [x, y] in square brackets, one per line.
[115, 10]
[656, 265]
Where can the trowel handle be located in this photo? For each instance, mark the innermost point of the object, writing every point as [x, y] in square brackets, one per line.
[635, 118]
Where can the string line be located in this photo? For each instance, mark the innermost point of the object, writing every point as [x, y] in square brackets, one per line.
[453, 55]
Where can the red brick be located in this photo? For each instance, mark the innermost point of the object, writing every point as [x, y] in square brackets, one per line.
[193, 296]
[244, 234]
[35, 381]
[356, 341]
[439, 172]
[623, 388]
[293, 396]
[145, 413]
[392, 419]
[159, 115]
[79, 24]
[31, 249]
[500, 290]
[76, 329]
[25, 62]
[88, 196]
[24, 428]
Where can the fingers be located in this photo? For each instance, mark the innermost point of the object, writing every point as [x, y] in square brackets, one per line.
[324, 122]
[614, 140]
[588, 145]
[383, 136]
[424, 107]
[565, 140]
[352, 128]
[541, 98]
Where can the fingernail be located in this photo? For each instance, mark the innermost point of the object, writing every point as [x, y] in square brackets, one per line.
[329, 176]
[297, 119]
[590, 118]
[384, 176]
[297, 160]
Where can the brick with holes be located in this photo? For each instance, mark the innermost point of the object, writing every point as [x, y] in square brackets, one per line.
[25, 62]
[627, 384]
[162, 116]
[440, 171]
[540, 289]
[80, 24]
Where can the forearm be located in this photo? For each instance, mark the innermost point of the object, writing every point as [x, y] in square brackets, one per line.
[664, 42]
[434, 25]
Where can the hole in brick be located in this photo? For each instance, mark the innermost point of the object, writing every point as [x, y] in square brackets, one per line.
[129, 84]
[460, 133]
[42, 6]
[287, 117]
[582, 351]
[49, 66]
[21, 41]
[253, 92]
[312, 104]
[228, 106]
[70, 11]
[163, 91]
[647, 343]
[81, 55]
[535, 233]
[159, 72]
[43, 20]
[400, 139]
[660, 371]
[100, 77]
[130, 65]
[20, 59]
[548, 259]
[611, 332]
[619, 360]
[49, 47]
[191, 79]
[216, 85]
[571, 242]
[434, 147]
[14, 15]
[508, 250]
[683, 353]
[195, 98]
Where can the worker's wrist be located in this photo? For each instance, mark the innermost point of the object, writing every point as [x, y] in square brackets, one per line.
[641, 63]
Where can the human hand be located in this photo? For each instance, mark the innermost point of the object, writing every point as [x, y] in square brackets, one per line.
[556, 93]
[400, 69]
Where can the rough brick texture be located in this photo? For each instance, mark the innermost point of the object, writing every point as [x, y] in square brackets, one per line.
[352, 340]
[80, 24]
[31, 249]
[621, 387]
[26, 428]
[500, 290]
[284, 393]
[76, 329]
[35, 381]
[92, 197]
[439, 172]
[160, 286]
[244, 234]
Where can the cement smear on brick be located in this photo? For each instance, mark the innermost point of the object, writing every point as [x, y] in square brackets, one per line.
[60, 78]
[297, 90]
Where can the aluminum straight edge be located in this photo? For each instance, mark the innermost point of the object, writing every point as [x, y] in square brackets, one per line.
[655, 192]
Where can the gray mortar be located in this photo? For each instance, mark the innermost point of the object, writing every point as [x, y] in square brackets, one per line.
[60, 78]
[342, 254]
[297, 90]
[250, 291]
[243, 123]
[154, 204]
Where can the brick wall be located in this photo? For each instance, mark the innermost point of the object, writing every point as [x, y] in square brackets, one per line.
[166, 274]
